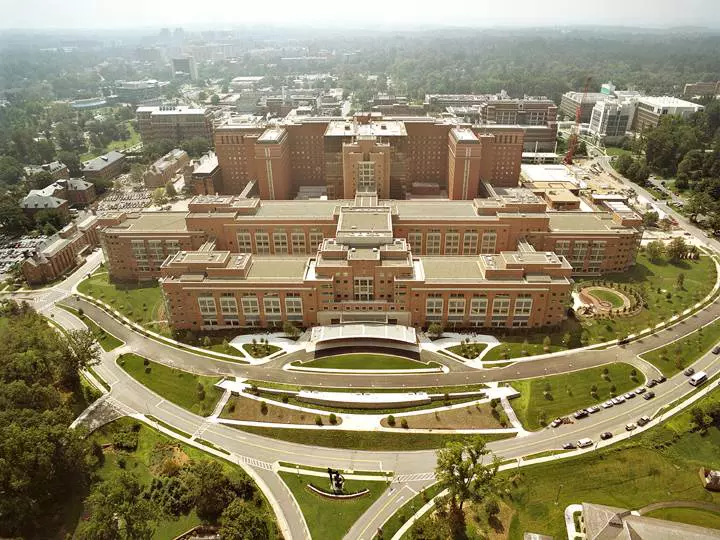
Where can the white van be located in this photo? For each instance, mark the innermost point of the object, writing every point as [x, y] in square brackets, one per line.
[584, 443]
[698, 378]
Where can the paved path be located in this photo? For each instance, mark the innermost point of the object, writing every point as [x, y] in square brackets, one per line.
[702, 505]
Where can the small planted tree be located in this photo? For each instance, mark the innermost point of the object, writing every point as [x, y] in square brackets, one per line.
[435, 330]
[546, 344]
[391, 421]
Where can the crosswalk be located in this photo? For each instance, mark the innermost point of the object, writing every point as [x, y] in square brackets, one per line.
[419, 477]
[256, 463]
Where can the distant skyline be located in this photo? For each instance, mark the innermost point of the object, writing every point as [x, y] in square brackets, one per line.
[225, 14]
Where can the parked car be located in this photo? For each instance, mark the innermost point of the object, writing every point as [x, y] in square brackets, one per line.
[651, 383]
[630, 426]
[584, 443]
[689, 371]
[593, 409]
[649, 395]
[643, 420]
[605, 435]
[629, 395]
[569, 446]
[618, 400]
[556, 422]
[607, 404]
[582, 413]
[716, 349]
[640, 390]
[661, 379]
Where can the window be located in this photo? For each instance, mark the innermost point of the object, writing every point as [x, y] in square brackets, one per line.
[433, 243]
[271, 304]
[155, 250]
[366, 176]
[562, 247]
[434, 308]
[172, 247]
[501, 309]
[262, 242]
[579, 251]
[316, 239]
[452, 243]
[523, 308]
[244, 242]
[415, 241]
[250, 307]
[456, 307]
[470, 243]
[489, 239]
[293, 307]
[597, 252]
[478, 309]
[280, 243]
[138, 250]
[298, 243]
[363, 288]
[208, 310]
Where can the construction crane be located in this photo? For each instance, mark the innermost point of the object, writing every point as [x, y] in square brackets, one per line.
[575, 130]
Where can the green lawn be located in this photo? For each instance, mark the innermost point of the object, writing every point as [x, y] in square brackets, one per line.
[107, 341]
[139, 462]
[364, 440]
[607, 296]
[658, 465]
[517, 347]
[468, 350]
[141, 302]
[132, 140]
[569, 392]
[406, 511]
[175, 385]
[367, 361]
[328, 519]
[675, 357]
[615, 151]
[429, 389]
[260, 350]
[691, 516]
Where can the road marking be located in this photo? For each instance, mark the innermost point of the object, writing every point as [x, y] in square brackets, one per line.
[390, 501]
[404, 478]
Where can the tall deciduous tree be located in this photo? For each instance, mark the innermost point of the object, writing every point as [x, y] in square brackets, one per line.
[243, 521]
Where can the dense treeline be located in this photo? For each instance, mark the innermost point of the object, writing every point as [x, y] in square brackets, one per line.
[43, 463]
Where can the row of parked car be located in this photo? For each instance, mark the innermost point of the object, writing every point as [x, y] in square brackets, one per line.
[605, 435]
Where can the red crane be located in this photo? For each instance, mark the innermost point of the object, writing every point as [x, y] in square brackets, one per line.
[575, 131]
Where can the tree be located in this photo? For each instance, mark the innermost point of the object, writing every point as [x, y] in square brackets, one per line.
[12, 218]
[676, 249]
[435, 329]
[118, 509]
[209, 488]
[11, 170]
[215, 99]
[582, 149]
[461, 469]
[202, 95]
[650, 219]
[80, 351]
[170, 189]
[137, 173]
[53, 217]
[72, 161]
[290, 329]
[243, 521]
[655, 250]
[158, 196]
[41, 180]
[196, 146]
[622, 163]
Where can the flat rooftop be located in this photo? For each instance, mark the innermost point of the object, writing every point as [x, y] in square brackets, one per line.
[584, 221]
[382, 128]
[547, 173]
[152, 222]
[444, 269]
[398, 332]
[269, 269]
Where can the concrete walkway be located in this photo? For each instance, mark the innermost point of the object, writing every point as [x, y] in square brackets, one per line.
[278, 339]
[452, 339]
[570, 512]
[701, 505]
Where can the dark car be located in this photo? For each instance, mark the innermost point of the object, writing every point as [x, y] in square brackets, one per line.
[582, 413]
[569, 446]
[605, 435]
[716, 349]
[643, 420]
[661, 379]
[651, 383]
[689, 371]
[649, 395]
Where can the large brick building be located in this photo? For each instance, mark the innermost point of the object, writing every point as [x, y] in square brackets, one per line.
[328, 151]
[499, 260]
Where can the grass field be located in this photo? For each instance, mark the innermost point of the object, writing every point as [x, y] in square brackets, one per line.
[367, 361]
[675, 357]
[107, 341]
[364, 440]
[141, 303]
[478, 416]
[132, 140]
[244, 408]
[691, 516]
[607, 296]
[468, 350]
[139, 462]
[328, 519]
[406, 511]
[615, 151]
[177, 386]
[569, 392]
[260, 350]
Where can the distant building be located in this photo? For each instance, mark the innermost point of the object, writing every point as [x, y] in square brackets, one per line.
[56, 169]
[105, 167]
[536, 116]
[702, 89]
[611, 119]
[241, 83]
[651, 109]
[44, 199]
[204, 175]
[135, 92]
[174, 123]
[571, 100]
[184, 67]
[59, 196]
[89, 103]
[163, 170]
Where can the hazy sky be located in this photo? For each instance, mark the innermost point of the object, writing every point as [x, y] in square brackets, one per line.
[227, 13]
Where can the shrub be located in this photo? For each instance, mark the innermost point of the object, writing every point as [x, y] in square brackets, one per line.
[264, 408]
[391, 421]
[285, 399]
[231, 408]
[146, 362]
[333, 419]
[318, 420]
[148, 369]
[121, 462]
[404, 423]
[492, 507]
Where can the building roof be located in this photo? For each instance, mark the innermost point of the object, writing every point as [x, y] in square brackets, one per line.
[584, 221]
[405, 334]
[152, 222]
[102, 162]
[547, 173]
[669, 101]
[277, 269]
[79, 184]
[40, 201]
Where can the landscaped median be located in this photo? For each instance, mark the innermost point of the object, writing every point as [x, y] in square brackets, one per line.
[254, 410]
[196, 393]
[107, 341]
[544, 398]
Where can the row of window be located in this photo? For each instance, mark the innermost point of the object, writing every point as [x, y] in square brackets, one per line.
[457, 307]
[433, 242]
[279, 241]
[250, 306]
